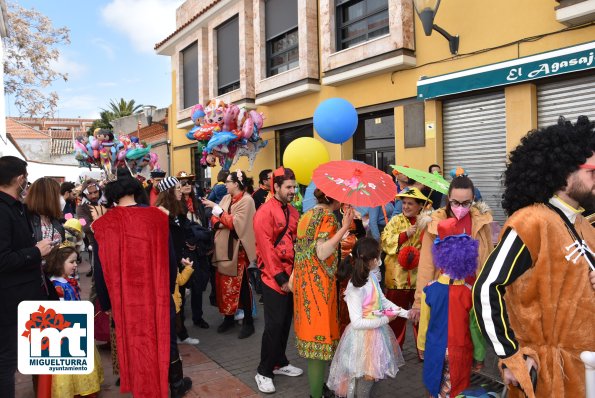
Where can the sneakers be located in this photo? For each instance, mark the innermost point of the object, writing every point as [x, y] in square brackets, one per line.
[189, 340]
[265, 384]
[289, 370]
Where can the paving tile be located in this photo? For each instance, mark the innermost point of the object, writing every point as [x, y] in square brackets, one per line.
[224, 366]
[191, 355]
[227, 387]
[199, 376]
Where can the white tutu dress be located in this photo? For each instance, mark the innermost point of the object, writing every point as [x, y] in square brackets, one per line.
[368, 346]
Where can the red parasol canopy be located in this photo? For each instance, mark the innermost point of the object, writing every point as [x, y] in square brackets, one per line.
[354, 183]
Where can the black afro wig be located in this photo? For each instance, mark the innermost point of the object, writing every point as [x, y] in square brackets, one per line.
[544, 159]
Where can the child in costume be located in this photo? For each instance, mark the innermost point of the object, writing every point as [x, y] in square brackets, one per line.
[368, 350]
[61, 263]
[448, 335]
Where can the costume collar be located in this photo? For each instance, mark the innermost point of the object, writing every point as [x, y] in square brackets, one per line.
[236, 198]
[447, 280]
[569, 211]
[58, 278]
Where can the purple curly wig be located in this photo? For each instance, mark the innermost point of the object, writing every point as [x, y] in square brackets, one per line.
[456, 255]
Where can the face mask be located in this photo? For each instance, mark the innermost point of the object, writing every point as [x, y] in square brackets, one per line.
[23, 189]
[460, 211]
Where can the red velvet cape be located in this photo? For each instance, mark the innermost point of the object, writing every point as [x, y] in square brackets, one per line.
[134, 253]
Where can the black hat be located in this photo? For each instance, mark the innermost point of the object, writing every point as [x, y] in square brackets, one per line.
[157, 173]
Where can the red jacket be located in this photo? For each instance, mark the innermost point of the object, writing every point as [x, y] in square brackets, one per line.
[276, 263]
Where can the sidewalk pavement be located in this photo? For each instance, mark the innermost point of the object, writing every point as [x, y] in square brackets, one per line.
[222, 365]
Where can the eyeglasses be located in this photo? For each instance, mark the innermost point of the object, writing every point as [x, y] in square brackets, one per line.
[456, 203]
[226, 181]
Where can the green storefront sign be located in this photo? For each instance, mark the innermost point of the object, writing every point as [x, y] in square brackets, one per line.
[565, 60]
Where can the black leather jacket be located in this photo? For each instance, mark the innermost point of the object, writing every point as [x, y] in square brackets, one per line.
[36, 224]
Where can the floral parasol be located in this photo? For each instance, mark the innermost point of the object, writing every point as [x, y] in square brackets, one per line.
[354, 183]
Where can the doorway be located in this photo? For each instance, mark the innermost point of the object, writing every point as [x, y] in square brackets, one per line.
[374, 140]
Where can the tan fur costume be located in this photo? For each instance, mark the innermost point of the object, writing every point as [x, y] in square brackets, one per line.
[551, 307]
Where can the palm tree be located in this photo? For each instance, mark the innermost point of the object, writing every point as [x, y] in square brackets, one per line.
[122, 108]
[105, 117]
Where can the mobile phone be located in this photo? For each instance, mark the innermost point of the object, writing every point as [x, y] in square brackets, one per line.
[55, 242]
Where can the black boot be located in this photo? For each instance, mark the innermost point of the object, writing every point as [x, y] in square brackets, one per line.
[327, 392]
[247, 330]
[178, 384]
[228, 323]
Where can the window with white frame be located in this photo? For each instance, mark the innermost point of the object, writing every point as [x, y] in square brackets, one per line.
[360, 20]
[190, 75]
[281, 31]
[228, 56]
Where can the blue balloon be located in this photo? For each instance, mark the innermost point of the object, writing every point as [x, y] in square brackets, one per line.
[335, 120]
[221, 138]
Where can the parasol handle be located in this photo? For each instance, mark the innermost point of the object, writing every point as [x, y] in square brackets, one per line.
[385, 217]
[427, 198]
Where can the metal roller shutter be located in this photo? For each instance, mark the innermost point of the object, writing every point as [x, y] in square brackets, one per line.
[474, 130]
[569, 98]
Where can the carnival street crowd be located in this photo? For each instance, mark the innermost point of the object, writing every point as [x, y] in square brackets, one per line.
[350, 279]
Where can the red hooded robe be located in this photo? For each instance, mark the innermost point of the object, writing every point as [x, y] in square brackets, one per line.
[136, 268]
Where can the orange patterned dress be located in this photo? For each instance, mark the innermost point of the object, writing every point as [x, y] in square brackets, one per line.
[316, 318]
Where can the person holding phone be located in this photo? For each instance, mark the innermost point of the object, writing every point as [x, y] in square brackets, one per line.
[21, 277]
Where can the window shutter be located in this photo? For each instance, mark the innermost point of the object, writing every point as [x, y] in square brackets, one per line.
[190, 75]
[228, 52]
[280, 16]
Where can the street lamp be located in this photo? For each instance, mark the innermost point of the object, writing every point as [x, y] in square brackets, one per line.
[426, 11]
[148, 110]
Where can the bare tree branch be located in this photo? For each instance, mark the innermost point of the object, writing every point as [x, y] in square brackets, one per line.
[30, 48]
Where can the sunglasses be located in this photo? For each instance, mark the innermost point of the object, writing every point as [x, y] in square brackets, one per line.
[185, 182]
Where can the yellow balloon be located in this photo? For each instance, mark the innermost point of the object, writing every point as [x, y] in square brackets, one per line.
[303, 156]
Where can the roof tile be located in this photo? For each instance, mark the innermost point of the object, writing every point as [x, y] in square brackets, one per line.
[20, 130]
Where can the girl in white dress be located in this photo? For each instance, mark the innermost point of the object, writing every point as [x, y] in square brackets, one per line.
[368, 350]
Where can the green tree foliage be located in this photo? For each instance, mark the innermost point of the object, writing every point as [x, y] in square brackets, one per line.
[105, 117]
[123, 108]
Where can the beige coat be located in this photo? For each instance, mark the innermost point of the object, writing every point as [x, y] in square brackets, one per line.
[243, 214]
[481, 218]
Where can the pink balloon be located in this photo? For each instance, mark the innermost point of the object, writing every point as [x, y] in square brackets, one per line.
[257, 119]
[247, 129]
